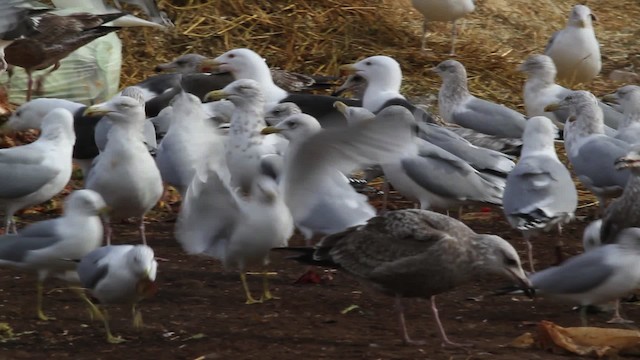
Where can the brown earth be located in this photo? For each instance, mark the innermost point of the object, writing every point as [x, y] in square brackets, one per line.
[199, 312]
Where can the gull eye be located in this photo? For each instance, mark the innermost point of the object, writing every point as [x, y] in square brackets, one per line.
[368, 63]
[510, 262]
[292, 124]
[180, 62]
[231, 56]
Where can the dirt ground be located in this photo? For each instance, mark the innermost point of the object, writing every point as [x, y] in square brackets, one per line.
[199, 312]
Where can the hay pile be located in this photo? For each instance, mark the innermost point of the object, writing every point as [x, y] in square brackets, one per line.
[315, 36]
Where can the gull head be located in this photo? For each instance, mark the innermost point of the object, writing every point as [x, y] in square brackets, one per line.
[185, 64]
[353, 114]
[120, 109]
[450, 69]
[627, 96]
[241, 63]
[497, 256]
[542, 128]
[241, 93]
[582, 17]
[538, 64]
[296, 127]
[574, 101]
[85, 201]
[58, 122]
[141, 262]
[379, 71]
[281, 111]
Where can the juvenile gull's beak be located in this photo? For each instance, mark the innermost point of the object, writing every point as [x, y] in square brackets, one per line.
[270, 130]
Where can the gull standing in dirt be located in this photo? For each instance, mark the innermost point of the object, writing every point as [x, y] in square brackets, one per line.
[629, 99]
[34, 173]
[416, 253]
[191, 138]
[313, 185]
[48, 246]
[597, 276]
[458, 106]
[541, 90]
[540, 193]
[245, 145]
[442, 10]
[125, 174]
[575, 49]
[592, 153]
[217, 221]
[118, 274]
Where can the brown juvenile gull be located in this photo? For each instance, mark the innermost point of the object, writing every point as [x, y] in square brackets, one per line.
[458, 106]
[629, 99]
[443, 10]
[16, 22]
[592, 153]
[575, 49]
[417, 253]
[56, 38]
[539, 193]
[624, 211]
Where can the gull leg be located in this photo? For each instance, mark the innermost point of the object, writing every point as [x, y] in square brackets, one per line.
[250, 299]
[94, 312]
[142, 232]
[14, 227]
[445, 339]
[583, 316]
[29, 85]
[39, 311]
[454, 33]
[266, 293]
[110, 338]
[617, 318]
[385, 195]
[137, 317]
[40, 81]
[403, 325]
[527, 241]
[106, 221]
[559, 246]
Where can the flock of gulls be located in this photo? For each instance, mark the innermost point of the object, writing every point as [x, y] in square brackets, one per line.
[254, 157]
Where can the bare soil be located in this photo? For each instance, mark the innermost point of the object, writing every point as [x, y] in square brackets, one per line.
[199, 311]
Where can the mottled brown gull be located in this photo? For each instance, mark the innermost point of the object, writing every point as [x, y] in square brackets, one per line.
[418, 253]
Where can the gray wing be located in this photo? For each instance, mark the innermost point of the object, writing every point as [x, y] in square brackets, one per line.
[612, 118]
[44, 228]
[23, 172]
[595, 162]
[490, 118]
[101, 134]
[448, 176]
[209, 214]
[478, 158]
[577, 275]
[90, 271]
[149, 132]
[537, 191]
[15, 248]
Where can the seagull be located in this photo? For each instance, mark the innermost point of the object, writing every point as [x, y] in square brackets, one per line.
[624, 211]
[629, 99]
[125, 174]
[416, 253]
[34, 173]
[217, 221]
[17, 22]
[592, 153]
[47, 246]
[575, 49]
[246, 64]
[313, 185]
[442, 10]
[190, 139]
[245, 146]
[281, 112]
[539, 193]
[541, 90]
[458, 106]
[56, 38]
[597, 276]
[118, 274]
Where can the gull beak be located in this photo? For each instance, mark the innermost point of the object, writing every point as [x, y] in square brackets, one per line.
[215, 95]
[98, 110]
[164, 67]
[209, 66]
[348, 68]
[340, 106]
[593, 17]
[104, 211]
[553, 107]
[270, 130]
[628, 161]
[523, 281]
[435, 70]
[612, 98]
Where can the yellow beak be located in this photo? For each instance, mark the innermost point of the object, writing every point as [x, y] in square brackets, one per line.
[340, 106]
[97, 110]
[348, 68]
[270, 130]
[215, 95]
[612, 98]
[208, 66]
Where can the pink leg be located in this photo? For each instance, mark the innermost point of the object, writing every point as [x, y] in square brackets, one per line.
[403, 326]
[29, 84]
[617, 318]
[527, 241]
[445, 339]
[142, 235]
[385, 195]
